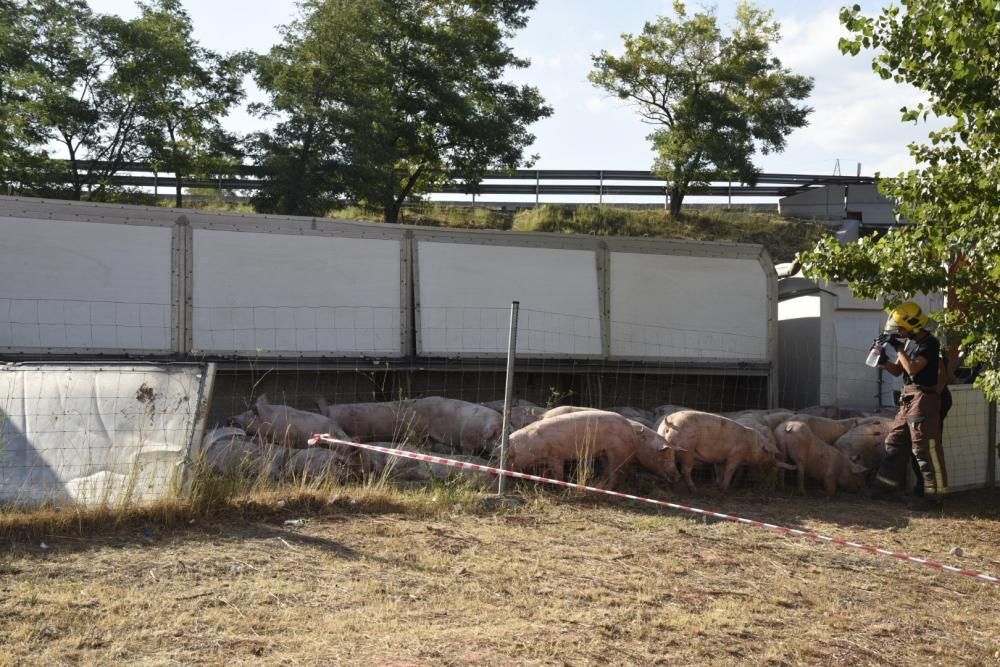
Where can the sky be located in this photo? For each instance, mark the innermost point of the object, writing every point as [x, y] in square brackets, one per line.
[856, 117]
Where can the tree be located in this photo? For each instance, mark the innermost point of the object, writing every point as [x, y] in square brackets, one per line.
[715, 98]
[14, 135]
[78, 89]
[24, 164]
[187, 90]
[398, 94]
[108, 91]
[70, 91]
[951, 242]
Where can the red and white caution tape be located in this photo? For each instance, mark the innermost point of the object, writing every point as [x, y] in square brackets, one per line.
[982, 576]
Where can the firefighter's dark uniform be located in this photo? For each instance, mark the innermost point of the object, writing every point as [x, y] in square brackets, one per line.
[917, 426]
[946, 402]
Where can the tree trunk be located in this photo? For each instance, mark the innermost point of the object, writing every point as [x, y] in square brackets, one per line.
[390, 212]
[75, 171]
[395, 205]
[178, 193]
[178, 179]
[676, 199]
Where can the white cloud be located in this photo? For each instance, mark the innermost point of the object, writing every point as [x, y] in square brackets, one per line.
[893, 164]
[810, 44]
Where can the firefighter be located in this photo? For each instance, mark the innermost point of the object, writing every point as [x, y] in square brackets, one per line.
[917, 427]
[946, 376]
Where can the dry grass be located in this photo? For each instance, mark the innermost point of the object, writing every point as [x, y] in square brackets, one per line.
[433, 576]
[783, 237]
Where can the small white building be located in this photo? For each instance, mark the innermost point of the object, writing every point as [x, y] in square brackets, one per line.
[824, 335]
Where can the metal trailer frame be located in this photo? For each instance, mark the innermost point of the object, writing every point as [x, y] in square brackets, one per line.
[184, 222]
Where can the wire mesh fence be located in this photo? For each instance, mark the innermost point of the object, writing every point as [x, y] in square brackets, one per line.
[113, 434]
[63, 422]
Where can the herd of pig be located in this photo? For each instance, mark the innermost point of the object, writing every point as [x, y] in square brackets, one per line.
[668, 442]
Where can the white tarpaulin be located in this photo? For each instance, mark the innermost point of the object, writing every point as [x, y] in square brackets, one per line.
[93, 434]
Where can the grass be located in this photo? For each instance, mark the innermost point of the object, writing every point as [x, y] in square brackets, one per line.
[783, 237]
[373, 575]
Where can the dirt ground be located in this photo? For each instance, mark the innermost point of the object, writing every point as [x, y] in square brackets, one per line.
[431, 577]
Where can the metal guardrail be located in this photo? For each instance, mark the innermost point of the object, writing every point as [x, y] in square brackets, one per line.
[608, 182]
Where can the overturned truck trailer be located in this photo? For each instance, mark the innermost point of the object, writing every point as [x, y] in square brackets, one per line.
[351, 311]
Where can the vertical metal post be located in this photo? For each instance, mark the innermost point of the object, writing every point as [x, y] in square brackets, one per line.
[156, 189]
[991, 430]
[507, 396]
[600, 196]
[729, 202]
[538, 179]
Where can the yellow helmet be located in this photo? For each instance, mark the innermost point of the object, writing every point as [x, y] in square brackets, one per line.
[906, 316]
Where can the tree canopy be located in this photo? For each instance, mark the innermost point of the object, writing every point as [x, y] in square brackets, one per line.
[105, 91]
[396, 94]
[715, 98]
[187, 90]
[951, 202]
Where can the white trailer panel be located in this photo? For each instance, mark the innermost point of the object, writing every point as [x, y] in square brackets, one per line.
[71, 287]
[97, 434]
[965, 440]
[274, 294]
[464, 293]
[677, 306]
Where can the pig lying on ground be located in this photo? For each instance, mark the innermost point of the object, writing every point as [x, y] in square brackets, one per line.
[230, 451]
[863, 443]
[401, 468]
[284, 425]
[517, 403]
[637, 414]
[306, 465]
[832, 412]
[818, 459]
[468, 427]
[367, 422]
[553, 441]
[522, 413]
[710, 438]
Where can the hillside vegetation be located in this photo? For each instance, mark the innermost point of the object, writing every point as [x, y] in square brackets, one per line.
[783, 237]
